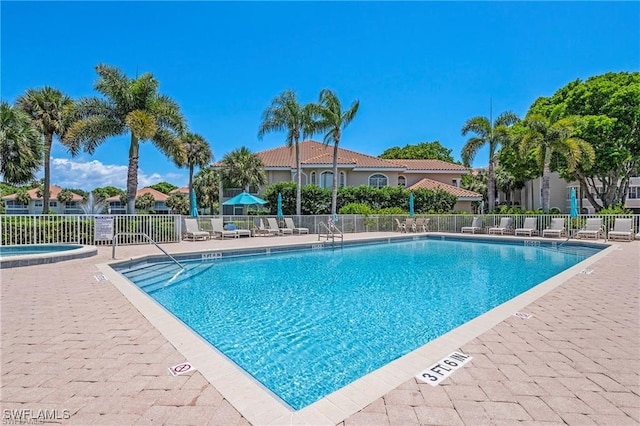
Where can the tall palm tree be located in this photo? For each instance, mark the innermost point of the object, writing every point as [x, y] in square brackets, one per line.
[487, 133]
[286, 114]
[333, 120]
[20, 144]
[206, 183]
[554, 134]
[244, 168]
[50, 111]
[134, 106]
[198, 153]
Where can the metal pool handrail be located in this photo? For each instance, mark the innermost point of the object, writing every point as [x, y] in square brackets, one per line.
[115, 243]
[331, 232]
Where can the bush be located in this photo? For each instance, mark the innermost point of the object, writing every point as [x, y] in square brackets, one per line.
[356, 208]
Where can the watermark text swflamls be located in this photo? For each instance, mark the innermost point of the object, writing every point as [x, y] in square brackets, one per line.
[21, 416]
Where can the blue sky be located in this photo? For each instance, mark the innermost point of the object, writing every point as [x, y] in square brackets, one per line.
[419, 69]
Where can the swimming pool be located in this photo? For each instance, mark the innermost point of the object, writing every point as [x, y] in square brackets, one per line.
[35, 254]
[307, 323]
[6, 251]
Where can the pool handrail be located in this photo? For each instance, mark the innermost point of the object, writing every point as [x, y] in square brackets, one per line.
[115, 243]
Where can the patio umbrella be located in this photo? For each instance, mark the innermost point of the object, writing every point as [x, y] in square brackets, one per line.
[574, 203]
[194, 205]
[279, 214]
[411, 212]
[244, 199]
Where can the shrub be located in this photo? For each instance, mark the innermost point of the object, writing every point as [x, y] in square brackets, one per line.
[356, 208]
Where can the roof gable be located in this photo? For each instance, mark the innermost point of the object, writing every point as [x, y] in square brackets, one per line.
[54, 191]
[435, 185]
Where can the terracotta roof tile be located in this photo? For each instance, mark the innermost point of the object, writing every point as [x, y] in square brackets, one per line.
[429, 165]
[54, 190]
[434, 185]
[157, 195]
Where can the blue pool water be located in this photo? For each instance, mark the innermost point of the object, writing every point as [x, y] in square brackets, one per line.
[6, 251]
[306, 323]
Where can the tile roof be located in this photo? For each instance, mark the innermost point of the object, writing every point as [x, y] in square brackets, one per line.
[54, 190]
[182, 190]
[434, 185]
[157, 195]
[421, 165]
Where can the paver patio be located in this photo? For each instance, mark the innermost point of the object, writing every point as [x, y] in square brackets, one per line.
[77, 348]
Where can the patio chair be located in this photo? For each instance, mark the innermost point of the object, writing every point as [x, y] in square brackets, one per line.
[192, 231]
[622, 229]
[400, 226]
[529, 227]
[476, 226]
[421, 224]
[217, 228]
[555, 229]
[239, 231]
[263, 231]
[504, 226]
[273, 224]
[290, 225]
[592, 229]
[410, 224]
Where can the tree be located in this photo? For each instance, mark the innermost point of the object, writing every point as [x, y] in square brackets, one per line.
[198, 153]
[23, 197]
[50, 111]
[178, 202]
[164, 187]
[133, 106]
[205, 183]
[20, 144]
[423, 150]
[145, 202]
[609, 107]
[476, 182]
[65, 196]
[244, 168]
[554, 135]
[104, 192]
[286, 114]
[333, 120]
[487, 133]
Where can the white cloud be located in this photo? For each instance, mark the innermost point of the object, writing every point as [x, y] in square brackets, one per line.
[88, 175]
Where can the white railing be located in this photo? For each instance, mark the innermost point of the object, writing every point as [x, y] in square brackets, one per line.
[80, 229]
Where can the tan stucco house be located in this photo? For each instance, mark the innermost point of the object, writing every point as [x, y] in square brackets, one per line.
[12, 206]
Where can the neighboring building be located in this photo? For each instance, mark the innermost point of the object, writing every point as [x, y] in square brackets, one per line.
[355, 169]
[74, 206]
[116, 206]
[183, 190]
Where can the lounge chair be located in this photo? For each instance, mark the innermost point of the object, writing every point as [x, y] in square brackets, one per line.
[476, 226]
[400, 226]
[273, 224]
[622, 229]
[263, 231]
[239, 231]
[218, 230]
[555, 229]
[421, 224]
[410, 224]
[529, 227]
[592, 229]
[290, 225]
[504, 226]
[192, 231]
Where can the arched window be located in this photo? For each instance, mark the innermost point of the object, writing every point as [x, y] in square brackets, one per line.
[326, 180]
[377, 181]
[402, 181]
[303, 178]
[313, 178]
[343, 180]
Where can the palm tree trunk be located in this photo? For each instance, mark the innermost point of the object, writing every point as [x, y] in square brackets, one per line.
[299, 181]
[546, 173]
[491, 190]
[132, 175]
[48, 140]
[334, 193]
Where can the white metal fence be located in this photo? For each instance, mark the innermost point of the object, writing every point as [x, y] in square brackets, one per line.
[86, 229]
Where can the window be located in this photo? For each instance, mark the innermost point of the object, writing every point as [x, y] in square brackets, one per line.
[303, 178]
[634, 193]
[456, 182]
[377, 181]
[402, 181]
[37, 203]
[313, 178]
[343, 179]
[326, 180]
[53, 204]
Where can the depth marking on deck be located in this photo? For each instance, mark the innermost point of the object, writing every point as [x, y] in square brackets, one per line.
[100, 277]
[522, 315]
[444, 368]
[183, 367]
[587, 271]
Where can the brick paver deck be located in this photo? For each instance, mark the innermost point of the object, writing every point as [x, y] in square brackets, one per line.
[77, 348]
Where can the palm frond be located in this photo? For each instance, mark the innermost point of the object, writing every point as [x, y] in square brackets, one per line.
[170, 145]
[167, 113]
[90, 132]
[478, 125]
[470, 149]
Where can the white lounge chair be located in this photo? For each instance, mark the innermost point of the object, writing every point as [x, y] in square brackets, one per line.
[476, 226]
[290, 225]
[622, 229]
[263, 231]
[410, 224]
[592, 229]
[555, 229]
[273, 224]
[504, 226]
[218, 230]
[192, 231]
[421, 224]
[529, 227]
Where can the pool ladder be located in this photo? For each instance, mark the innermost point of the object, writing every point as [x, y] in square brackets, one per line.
[331, 231]
[115, 244]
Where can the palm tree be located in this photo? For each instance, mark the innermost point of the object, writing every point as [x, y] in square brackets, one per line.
[206, 183]
[134, 106]
[198, 153]
[487, 133]
[334, 120]
[20, 144]
[286, 114]
[551, 135]
[244, 168]
[50, 111]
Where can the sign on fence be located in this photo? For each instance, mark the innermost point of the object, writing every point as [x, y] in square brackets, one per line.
[103, 228]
